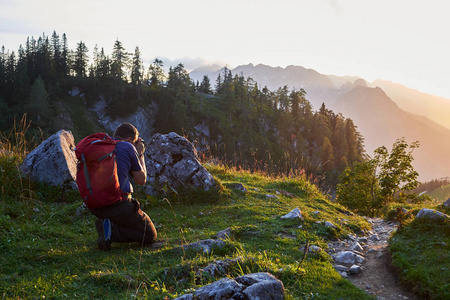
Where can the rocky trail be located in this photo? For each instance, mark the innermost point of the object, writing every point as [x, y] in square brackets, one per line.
[366, 262]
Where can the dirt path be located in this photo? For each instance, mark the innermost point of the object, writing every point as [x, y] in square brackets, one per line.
[377, 277]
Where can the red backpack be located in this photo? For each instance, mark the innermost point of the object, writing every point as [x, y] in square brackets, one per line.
[97, 178]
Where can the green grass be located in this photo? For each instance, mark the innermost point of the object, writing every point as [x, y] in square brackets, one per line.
[48, 248]
[421, 252]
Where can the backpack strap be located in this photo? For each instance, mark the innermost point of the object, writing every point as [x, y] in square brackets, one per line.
[86, 175]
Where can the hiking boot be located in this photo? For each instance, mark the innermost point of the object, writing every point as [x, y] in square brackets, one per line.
[104, 236]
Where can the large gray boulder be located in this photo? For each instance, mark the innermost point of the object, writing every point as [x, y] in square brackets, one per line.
[426, 213]
[173, 159]
[53, 161]
[257, 286]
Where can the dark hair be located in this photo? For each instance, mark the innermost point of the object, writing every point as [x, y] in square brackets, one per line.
[126, 130]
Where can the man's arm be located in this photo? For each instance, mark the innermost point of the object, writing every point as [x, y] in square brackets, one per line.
[140, 177]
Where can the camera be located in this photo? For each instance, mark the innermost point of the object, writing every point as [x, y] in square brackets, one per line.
[140, 140]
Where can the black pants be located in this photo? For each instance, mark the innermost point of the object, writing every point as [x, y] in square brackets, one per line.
[129, 222]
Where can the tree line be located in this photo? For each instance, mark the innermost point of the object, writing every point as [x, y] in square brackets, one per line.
[246, 125]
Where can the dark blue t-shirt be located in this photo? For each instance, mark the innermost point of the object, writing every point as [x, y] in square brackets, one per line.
[127, 162]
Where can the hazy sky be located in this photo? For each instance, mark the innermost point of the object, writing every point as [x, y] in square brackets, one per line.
[405, 41]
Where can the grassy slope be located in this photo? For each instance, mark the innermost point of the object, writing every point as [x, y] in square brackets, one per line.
[47, 249]
[421, 252]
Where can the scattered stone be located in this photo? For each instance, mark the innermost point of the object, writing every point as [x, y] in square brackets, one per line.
[224, 234]
[355, 269]
[431, 214]
[253, 286]
[347, 257]
[205, 245]
[218, 267]
[316, 212]
[374, 238]
[352, 237]
[53, 161]
[239, 186]
[262, 286]
[269, 196]
[356, 247]
[294, 214]
[314, 248]
[340, 268]
[329, 224]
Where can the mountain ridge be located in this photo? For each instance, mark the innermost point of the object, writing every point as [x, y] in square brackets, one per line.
[382, 122]
[390, 111]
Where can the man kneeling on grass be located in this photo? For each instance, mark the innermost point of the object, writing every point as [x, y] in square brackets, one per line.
[123, 221]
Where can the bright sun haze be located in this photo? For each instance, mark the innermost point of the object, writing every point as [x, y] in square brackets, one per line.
[401, 41]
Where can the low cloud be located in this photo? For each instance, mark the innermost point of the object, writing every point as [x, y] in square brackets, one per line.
[336, 6]
[188, 62]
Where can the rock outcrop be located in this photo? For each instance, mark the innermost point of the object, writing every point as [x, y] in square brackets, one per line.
[431, 214]
[53, 161]
[143, 118]
[172, 159]
[262, 286]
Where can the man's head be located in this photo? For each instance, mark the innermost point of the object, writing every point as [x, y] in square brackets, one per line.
[127, 131]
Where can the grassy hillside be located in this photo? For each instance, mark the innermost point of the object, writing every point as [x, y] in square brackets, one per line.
[421, 254]
[48, 243]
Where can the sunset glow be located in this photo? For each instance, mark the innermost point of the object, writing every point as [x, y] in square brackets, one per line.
[402, 41]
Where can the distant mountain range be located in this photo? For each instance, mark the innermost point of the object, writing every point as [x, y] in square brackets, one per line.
[383, 111]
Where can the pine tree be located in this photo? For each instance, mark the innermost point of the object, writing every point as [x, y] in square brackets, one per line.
[81, 60]
[63, 65]
[3, 73]
[56, 55]
[205, 85]
[136, 72]
[156, 73]
[119, 61]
